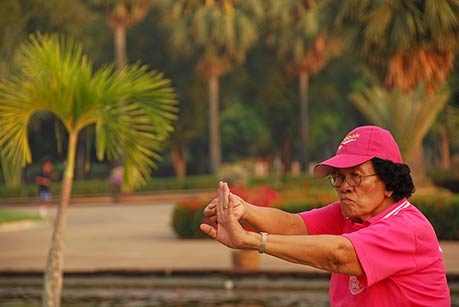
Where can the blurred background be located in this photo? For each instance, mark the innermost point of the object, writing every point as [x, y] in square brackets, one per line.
[289, 78]
[250, 92]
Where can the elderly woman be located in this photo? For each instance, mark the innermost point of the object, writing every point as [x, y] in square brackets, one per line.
[380, 248]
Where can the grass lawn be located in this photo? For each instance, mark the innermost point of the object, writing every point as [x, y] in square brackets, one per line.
[8, 215]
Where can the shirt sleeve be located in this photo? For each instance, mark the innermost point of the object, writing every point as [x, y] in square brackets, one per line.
[384, 249]
[325, 220]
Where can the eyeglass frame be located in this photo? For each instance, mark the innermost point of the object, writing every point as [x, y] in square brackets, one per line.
[345, 177]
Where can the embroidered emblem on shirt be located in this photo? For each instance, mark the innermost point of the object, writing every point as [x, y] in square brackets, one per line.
[354, 285]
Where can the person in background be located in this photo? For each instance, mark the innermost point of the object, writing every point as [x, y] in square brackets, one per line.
[44, 180]
[380, 249]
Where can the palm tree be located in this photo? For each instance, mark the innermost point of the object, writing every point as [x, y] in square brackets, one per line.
[407, 43]
[408, 116]
[219, 32]
[304, 48]
[55, 76]
[122, 14]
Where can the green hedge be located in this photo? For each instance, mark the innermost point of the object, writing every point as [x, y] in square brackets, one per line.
[441, 210]
[446, 179]
[100, 186]
[187, 217]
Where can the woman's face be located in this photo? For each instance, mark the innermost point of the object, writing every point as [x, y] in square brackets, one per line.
[365, 200]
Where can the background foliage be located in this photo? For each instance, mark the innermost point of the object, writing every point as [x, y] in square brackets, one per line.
[262, 87]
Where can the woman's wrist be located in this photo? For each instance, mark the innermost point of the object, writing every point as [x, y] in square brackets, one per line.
[247, 213]
[252, 240]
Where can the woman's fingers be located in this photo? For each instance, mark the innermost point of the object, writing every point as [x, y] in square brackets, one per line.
[232, 203]
[211, 209]
[226, 193]
[211, 231]
[220, 200]
[225, 213]
[223, 192]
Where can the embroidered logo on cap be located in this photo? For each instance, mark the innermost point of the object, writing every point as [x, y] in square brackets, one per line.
[349, 139]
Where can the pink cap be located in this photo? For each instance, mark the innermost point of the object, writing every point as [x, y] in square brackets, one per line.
[361, 145]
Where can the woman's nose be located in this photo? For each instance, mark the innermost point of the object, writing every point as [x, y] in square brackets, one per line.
[345, 186]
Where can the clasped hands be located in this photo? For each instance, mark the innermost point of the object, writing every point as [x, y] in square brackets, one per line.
[224, 213]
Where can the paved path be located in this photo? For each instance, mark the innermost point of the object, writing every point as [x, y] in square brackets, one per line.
[130, 236]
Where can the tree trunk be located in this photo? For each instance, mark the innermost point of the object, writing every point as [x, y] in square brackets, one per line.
[119, 37]
[80, 159]
[417, 165]
[53, 277]
[445, 163]
[119, 32]
[214, 125]
[303, 87]
[286, 155]
[179, 161]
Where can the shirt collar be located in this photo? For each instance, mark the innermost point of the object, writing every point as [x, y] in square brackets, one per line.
[393, 209]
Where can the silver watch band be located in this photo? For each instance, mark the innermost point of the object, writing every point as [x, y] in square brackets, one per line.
[264, 240]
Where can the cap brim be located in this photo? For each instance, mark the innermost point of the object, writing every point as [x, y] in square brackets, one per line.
[340, 161]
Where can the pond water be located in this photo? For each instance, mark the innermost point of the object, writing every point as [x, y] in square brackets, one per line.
[161, 291]
[184, 298]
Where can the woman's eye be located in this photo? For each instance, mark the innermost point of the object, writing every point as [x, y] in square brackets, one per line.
[354, 176]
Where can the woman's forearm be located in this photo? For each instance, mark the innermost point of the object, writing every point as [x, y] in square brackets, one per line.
[280, 222]
[327, 252]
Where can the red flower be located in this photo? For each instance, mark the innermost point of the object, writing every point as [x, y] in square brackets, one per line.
[261, 196]
[191, 204]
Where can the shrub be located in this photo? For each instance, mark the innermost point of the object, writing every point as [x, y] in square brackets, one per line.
[446, 179]
[188, 214]
[187, 217]
[261, 196]
[442, 210]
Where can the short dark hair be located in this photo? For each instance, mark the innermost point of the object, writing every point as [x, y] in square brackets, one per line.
[396, 176]
[46, 159]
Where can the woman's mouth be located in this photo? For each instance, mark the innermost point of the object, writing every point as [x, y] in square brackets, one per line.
[345, 199]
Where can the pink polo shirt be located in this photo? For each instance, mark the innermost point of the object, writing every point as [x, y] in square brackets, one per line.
[398, 251]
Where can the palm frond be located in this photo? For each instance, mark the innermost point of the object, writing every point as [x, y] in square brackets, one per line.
[408, 116]
[141, 125]
[227, 29]
[56, 77]
[409, 42]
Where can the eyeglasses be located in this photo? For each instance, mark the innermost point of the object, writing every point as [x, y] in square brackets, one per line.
[353, 179]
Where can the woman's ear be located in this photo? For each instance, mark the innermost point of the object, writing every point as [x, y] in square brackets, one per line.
[388, 194]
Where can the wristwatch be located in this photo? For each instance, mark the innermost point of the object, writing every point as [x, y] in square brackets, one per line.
[264, 240]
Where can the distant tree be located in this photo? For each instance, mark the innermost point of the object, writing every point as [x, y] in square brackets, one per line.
[219, 33]
[121, 15]
[12, 23]
[56, 76]
[243, 132]
[272, 93]
[304, 48]
[407, 43]
[452, 123]
[191, 90]
[408, 115]
[19, 18]
[190, 121]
